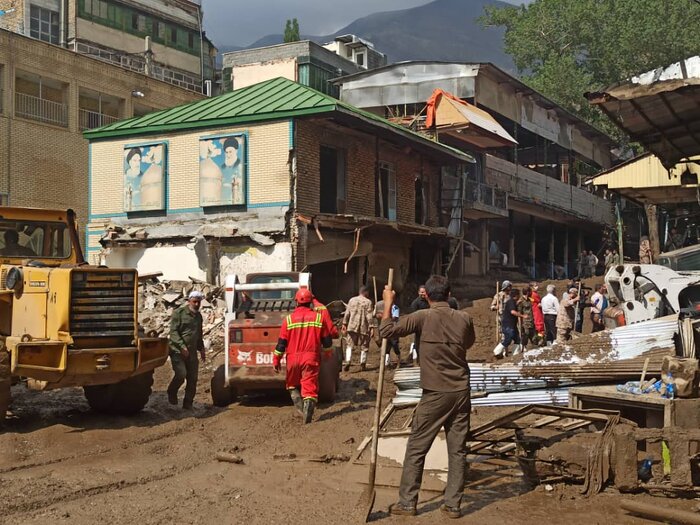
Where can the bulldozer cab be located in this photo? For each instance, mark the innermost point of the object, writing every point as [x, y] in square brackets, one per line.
[47, 236]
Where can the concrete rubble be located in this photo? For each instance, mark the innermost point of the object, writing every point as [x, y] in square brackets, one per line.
[159, 298]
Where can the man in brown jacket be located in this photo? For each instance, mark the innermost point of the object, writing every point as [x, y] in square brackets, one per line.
[445, 336]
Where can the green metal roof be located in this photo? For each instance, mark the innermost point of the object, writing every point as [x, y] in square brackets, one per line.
[275, 99]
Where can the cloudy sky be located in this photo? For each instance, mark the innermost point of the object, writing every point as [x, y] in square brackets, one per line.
[226, 25]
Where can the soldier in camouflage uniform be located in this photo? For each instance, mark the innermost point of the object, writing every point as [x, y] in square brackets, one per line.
[527, 324]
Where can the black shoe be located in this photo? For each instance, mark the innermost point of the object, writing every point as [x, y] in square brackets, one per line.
[397, 509]
[451, 512]
[172, 398]
[308, 411]
[187, 405]
[296, 399]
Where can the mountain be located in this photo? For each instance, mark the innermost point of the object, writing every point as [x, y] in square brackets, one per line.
[443, 30]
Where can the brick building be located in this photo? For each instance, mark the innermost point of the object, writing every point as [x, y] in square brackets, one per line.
[48, 96]
[272, 177]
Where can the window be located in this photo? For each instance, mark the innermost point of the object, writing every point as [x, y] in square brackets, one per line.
[158, 30]
[173, 35]
[421, 203]
[43, 24]
[332, 185]
[386, 191]
[190, 40]
[138, 22]
[34, 239]
[360, 59]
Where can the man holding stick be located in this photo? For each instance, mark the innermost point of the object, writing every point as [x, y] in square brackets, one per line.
[445, 336]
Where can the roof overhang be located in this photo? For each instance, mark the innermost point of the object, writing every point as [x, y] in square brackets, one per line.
[660, 109]
[466, 122]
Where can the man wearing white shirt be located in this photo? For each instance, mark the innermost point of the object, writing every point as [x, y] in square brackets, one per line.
[599, 302]
[550, 308]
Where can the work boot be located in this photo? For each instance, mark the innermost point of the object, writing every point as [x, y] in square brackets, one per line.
[499, 351]
[308, 411]
[518, 349]
[297, 400]
[451, 512]
[172, 398]
[397, 509]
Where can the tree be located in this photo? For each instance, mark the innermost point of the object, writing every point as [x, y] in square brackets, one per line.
[564, 48]
[291, 31]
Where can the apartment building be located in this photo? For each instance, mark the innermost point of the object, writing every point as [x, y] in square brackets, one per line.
[48, 96]
[160, 38]
[522, 203]
[357, 50]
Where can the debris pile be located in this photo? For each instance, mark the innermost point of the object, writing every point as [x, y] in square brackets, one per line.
[159, 298]
[543, 375]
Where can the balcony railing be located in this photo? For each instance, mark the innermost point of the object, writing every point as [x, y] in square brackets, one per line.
[93, 119]
[138, 64]
[481, 197]
[526, 185]
[40, 109]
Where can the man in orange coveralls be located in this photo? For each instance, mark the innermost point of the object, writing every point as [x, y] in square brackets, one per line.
[302, 335]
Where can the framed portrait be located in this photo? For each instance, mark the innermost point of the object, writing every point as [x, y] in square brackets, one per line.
[222, 170]
[144, 177]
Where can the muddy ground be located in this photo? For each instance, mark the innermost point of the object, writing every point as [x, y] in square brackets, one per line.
[62, 463]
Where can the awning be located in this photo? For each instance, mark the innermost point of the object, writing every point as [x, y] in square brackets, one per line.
[660, 109]
[644, 179]
[465, 122]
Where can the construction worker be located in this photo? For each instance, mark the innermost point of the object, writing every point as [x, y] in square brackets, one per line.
[599, 302]
[537, 315]
[419, 303]
[446, 334]
[501, 297]
[185, 341]
[527, 325]
[302, 335]
[358, 325]
[391, 344]
[645, 254]
[550, 309]
[675, 241]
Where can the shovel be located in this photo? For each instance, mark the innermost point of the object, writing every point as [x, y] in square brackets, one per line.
[366, 501]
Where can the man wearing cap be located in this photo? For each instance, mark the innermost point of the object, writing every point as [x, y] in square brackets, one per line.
[185, 341]
[501, 297]
[302, 335]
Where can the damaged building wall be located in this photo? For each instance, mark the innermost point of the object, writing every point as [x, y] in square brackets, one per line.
[267, 180]
[178, 263]
[360, 152]
[250, 258]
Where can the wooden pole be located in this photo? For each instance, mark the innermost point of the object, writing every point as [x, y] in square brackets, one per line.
[661, 512]
[653, 221]
[498, 311]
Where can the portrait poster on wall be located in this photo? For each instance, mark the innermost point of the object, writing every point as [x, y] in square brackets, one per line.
[144, 177]
[222, 170]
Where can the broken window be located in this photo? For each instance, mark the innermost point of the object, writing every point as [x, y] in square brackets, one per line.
[386, 191]
[421, 207]
[332, 185]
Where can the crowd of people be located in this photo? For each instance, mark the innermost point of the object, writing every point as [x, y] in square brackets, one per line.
[527, 318]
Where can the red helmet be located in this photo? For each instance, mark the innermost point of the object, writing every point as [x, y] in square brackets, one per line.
[303, 296]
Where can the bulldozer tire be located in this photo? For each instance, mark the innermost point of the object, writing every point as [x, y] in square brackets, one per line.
[328, 379]
[126, 397]
[5, 382]
[221, 395]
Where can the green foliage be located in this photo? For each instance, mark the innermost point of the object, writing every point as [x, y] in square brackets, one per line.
[291, 31]
[564, 48]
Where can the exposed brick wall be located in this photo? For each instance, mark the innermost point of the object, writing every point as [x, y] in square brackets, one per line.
[360, 166]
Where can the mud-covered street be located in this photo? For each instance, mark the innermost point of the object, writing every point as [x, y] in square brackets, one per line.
[62, 463]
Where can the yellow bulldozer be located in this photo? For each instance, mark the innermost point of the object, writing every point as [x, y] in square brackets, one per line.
[64, 323]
